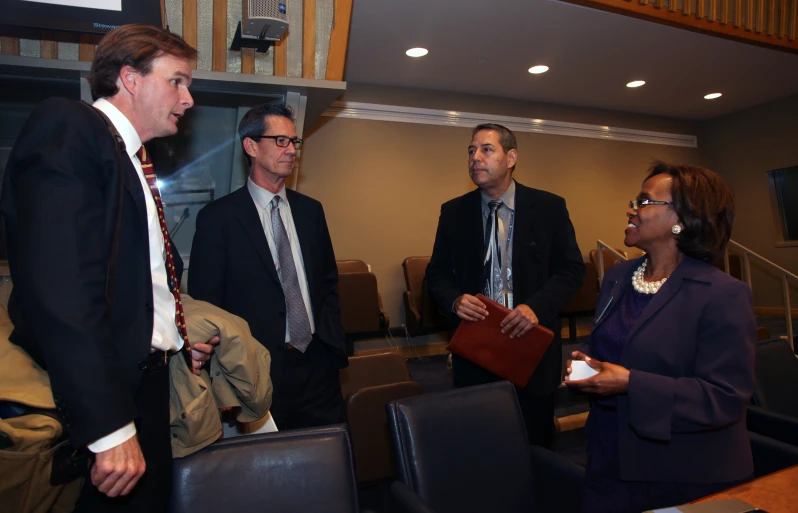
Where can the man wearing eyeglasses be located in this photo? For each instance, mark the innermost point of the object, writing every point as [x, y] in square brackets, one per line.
[264, 253]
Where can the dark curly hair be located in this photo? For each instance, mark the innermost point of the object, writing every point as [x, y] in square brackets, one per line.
[134, 45]
[705, 206]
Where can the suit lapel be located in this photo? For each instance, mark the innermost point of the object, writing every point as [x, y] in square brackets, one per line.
[664, 295]
[136, 190]
[605, 306]
[304, 232]
[522, 229]
[248, 216]
[474, 238]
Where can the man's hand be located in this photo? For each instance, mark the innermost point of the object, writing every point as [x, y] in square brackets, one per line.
[470, 308]
[611, 379]
[116, 471]
[519, 321]
[201, 353]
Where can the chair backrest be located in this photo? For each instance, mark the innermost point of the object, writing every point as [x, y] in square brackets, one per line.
[609, 258]
[284, 472]
[360, 304]
[371, 371]
[415, 269]
[585, 299]
[464, 450]
[776, 377]
[351, 266]
[368, 425]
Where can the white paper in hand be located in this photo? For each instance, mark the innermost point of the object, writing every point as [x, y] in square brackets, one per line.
[581, 370]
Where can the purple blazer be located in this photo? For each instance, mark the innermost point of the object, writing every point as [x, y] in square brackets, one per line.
[691, 357]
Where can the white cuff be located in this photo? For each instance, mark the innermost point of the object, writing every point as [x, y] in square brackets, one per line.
[118, 437]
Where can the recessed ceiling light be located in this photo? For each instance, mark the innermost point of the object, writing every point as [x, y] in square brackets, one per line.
[417, 52]
[636, 83]
[537, 70]
[712, 96]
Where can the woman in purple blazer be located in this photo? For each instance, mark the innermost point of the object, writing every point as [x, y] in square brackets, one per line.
[673, 342]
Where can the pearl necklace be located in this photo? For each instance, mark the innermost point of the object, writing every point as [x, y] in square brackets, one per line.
[642, 286]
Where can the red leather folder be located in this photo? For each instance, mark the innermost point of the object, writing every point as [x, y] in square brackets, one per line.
[483, 343]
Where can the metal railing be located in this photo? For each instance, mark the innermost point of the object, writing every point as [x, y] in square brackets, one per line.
[784, 274]
[601, 245]
[747, 255]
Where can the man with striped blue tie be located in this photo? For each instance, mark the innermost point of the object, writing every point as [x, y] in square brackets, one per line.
[516, 245]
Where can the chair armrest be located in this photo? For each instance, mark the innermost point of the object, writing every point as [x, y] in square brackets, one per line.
[558, 481]
[412, 315]
[408, 500]
[771, 455]
[771, 424]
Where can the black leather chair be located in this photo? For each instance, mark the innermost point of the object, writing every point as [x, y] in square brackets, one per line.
[466, 450]
[774, 412]
[302, 470]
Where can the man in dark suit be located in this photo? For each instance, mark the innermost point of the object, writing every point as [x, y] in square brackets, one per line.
[264, 253]
[517, 246]
[95, 299]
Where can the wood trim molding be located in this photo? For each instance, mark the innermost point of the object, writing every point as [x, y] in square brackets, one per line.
[400, 114]
[219, 59]
[753, 32]
[281, 56]
[10, 45]
[248, 61]
[774, 311]
[86, 48]
[309, 39]
[339, 39]
[190, 26]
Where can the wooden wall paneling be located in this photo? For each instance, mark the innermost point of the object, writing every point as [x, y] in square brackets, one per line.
[86, 48]
[724, 12]
[760, 16]
[190, 25]
[700, 9]
[783, 19]
[219, 59]
[793, 18]
[749, 15]
[281, 56]
[658, 4]
[10, 45]
[248, 61]
[738, 13]
[48, 46]
[713, 10]
[339, 38]
[771, 26]
[687, 7]
[672, 5]
[163, 13]
[309, 39]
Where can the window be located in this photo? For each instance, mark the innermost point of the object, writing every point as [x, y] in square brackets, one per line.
[784, 195]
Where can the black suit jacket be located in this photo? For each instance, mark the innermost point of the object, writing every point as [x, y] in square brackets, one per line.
[547, 265]
[231, 266]
[59, 205]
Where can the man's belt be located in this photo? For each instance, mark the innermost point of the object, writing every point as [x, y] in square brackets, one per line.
[158, 359]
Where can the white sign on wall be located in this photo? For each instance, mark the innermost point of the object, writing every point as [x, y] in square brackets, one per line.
[107, 5]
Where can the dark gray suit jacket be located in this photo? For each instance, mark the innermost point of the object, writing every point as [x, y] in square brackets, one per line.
[691, 357]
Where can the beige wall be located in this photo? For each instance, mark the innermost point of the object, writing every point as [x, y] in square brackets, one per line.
[382, 183]
[742, 147]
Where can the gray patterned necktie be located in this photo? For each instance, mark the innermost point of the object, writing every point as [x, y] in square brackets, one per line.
[297, 315]
[493, 257]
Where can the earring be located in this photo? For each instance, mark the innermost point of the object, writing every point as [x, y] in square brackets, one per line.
[676, 229]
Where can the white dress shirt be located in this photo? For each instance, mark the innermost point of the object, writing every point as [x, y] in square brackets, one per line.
[165, 336]
[262, 199]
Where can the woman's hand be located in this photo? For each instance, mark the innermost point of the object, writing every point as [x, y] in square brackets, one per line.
[611, 379]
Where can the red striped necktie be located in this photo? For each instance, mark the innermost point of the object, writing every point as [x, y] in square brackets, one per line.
[171, 273]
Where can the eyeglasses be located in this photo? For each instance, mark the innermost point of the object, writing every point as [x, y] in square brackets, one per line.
[281, 140]
[637, 203]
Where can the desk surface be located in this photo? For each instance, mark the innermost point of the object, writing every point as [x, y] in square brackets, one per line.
[774, 493]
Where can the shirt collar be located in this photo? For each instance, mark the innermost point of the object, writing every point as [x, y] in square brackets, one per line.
[508, 198]
[122, 125]
[262, 197]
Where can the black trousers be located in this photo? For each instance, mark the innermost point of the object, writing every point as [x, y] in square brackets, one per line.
[309, 390]
[151, 494]
[538, 410]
